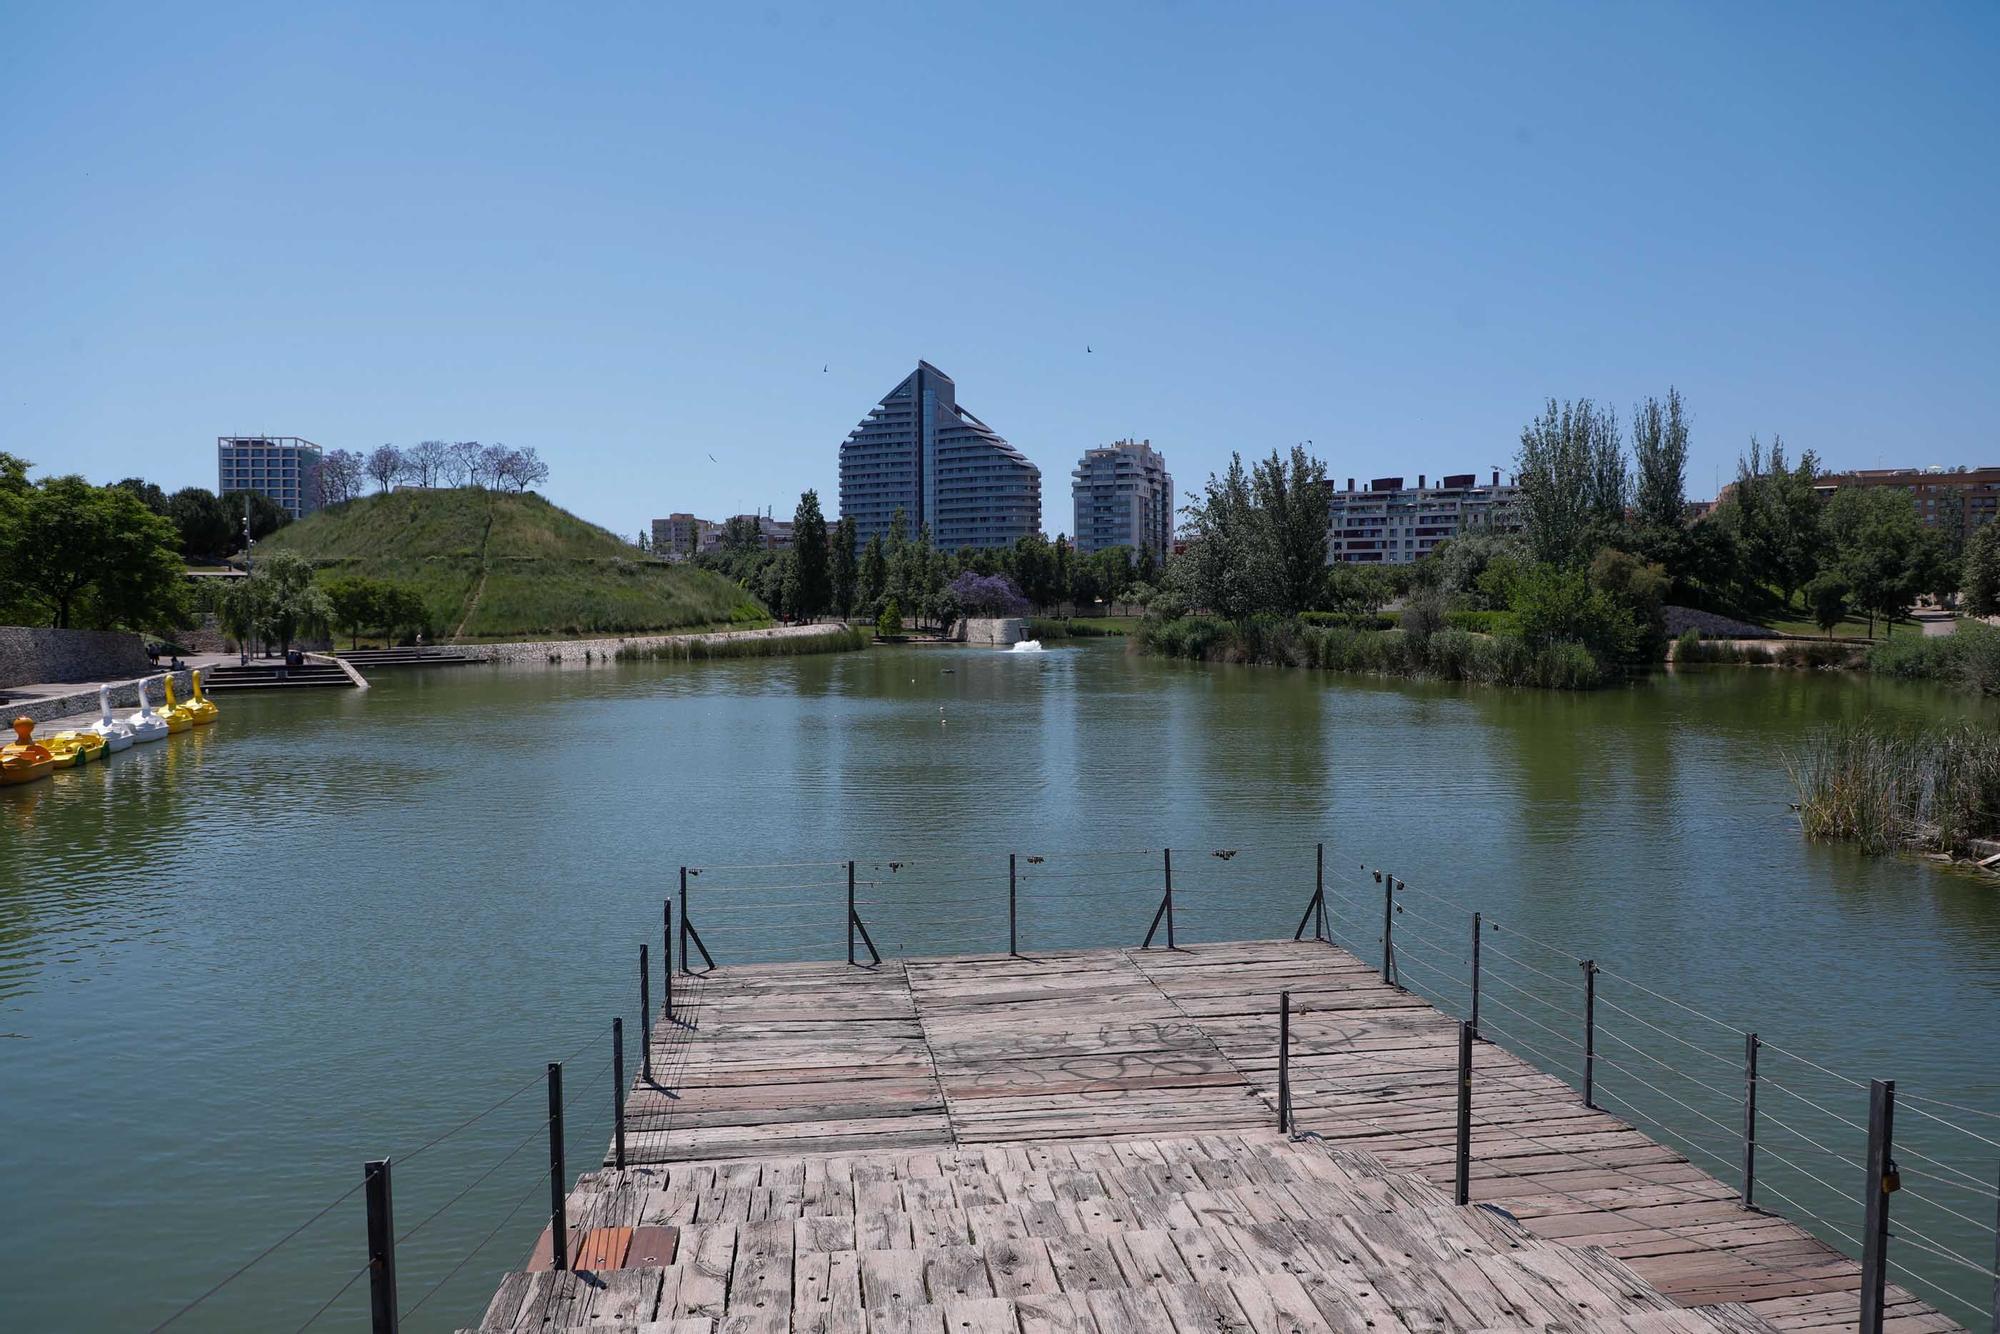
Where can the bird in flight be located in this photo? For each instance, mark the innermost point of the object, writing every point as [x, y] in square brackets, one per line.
[711, 458]
[822, 370]
[1086, 347]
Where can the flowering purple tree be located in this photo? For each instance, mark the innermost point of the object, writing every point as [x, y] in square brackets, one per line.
[988, 595]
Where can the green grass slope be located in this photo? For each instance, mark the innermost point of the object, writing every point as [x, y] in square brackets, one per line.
[493, 565]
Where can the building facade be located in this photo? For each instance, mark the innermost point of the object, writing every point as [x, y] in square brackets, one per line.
[679, 536]
[283, 467]
[1123, 497]
[1388, 523]
[918, 451]
[1966, 496]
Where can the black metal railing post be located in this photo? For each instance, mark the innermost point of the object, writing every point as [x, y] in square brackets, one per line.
[1589, 967]
[618, 1089]
[1285, 1062]
[558, 1178]
[382, 1317]
[684, 921]
[667, 959]
[1462, 1154]
[1750, 1046]
[645, 1014]
[1316, 905]
[850, 912]
[1473, 985]
[1165, 912]
[1013, 936]
[1388, 927]
[1882, 1182]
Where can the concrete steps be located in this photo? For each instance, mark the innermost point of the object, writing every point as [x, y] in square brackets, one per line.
[274, 675]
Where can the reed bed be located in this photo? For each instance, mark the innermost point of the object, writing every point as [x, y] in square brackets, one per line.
[1931, 790]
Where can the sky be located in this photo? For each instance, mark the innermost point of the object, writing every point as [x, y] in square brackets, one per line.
[636, 237]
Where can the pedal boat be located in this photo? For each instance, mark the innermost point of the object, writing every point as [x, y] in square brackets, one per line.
[179, 717]
[82, 748]
[201, 706]
[25, 759]
[117, 735]
[145, 724]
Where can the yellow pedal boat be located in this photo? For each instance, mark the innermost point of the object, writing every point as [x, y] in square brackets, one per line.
[25, 759]
[201, 706]
[79, 747]
[178, 717]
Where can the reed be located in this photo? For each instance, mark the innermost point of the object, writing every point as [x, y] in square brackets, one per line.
[1931, 790]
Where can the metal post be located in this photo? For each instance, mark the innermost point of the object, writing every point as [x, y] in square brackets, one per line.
[558, 1195]
[1168, 854]
[684, 919]
[850, 912]
[667, 960]
[1996, 1267]
[1319, 893]
[1589, 967]
[1750, 1045]
[1388, 926]
[645, 1015]
[1473, 1019]
[1881, 1181]
[1285, 1062]
[618, 1088]
[382, 1317]
[1013, 937]
[1462, 1189]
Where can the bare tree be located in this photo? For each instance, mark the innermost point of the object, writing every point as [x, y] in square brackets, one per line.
[339, 477]
[522, 470]
[460, 458]
[385, 465]
[489, 465]
[423, 462]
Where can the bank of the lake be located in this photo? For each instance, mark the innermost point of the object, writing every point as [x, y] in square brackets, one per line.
[235, 964]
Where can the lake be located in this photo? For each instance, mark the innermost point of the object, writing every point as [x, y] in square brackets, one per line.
[336, 925]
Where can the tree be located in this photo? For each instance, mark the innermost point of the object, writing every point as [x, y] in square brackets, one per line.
[1230, 567]
[354, 604]
[92, 557]
[267, 516]
[740, 533]
[520, 469]
[1660, 448]
[874, 575]
[149, 494]
[293, 604]
[203, 525]
[987, 595]
[1979, 572]
[1295, 507]
[461, 458]
[1572, 479]
[812, 585]
[1878, 543]
[1556, 605]
[1827, 596]
[890, 622]
[843, 574]
[338, 479]
[385, 465]
[1356, 590]
[423, 462]
[1775, 517]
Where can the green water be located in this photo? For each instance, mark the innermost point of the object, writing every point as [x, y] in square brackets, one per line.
[236, 964]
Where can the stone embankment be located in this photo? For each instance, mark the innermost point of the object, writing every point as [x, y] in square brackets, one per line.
[602, 650]
[80, 706]
[36, 654]
[1000, 630]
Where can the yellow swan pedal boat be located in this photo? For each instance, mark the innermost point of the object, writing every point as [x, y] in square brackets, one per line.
[75, 748]
[178, 717]
[25, 759]
[201, 706]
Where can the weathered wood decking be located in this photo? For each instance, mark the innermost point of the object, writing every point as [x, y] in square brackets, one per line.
[764, 1062]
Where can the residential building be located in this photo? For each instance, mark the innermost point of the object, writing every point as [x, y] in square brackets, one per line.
[1123, 498]
[1387, 523]
[920, 452]
[772, 534]
[283, 467]
[1967, 496]
[679, 536]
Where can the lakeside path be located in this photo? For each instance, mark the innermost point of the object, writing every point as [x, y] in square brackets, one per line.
[1086, 1141]
[594, 650]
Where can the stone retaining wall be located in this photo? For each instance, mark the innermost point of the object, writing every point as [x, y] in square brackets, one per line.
[30, 654]
[602, 650]
[124, 697]
[1000, 630]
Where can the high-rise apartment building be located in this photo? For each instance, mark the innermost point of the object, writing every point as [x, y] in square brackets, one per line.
[283, 467]
[1387, 523]
[918, 451]
[1123, 498]
[679, 536]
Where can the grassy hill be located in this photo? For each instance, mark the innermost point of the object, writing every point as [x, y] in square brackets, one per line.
[493, 565]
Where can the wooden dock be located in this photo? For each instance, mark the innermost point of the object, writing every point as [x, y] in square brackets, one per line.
[1135, 1088]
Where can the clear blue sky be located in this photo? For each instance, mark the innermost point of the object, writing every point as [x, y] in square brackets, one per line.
[633, 236]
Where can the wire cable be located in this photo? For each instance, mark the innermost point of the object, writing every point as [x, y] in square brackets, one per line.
[244, 1268]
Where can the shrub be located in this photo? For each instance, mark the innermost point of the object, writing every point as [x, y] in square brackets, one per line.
[1484, 622]
[1373, 620]
[890, 623]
